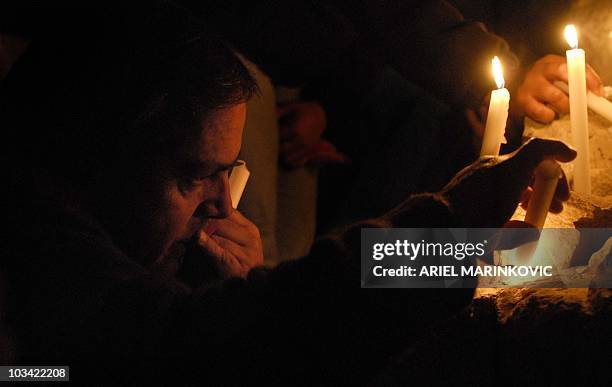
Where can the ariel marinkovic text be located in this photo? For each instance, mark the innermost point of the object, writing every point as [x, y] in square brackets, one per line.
[464, 271]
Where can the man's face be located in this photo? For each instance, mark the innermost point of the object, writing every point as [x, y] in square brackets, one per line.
[176, 201]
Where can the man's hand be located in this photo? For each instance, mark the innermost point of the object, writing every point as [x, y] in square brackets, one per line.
[233, 243]
[301, 125]
[562, 193]
[538, 98]
[486, 193]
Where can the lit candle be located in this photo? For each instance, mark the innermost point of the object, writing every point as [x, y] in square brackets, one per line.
[547, 176]
[576, 76]
[497, 116]
[237, 181]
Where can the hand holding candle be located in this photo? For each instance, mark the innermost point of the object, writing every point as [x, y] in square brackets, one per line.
[497, 116]
[485, 194]
[538, 96]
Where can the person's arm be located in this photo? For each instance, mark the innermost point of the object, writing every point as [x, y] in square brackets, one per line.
[311, 312]
[95, 306]
[428, 42]
[432, 45]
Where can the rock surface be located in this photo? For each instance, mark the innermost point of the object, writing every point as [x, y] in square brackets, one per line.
[511, 337]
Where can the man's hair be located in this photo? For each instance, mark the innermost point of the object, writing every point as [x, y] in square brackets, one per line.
[129, 87]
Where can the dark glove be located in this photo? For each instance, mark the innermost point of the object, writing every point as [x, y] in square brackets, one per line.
[486, 193]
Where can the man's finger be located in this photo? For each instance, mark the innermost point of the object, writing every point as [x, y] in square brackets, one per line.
[547, 93]
[538, 111]
[234, 227]
[233, 250]
[556, 71]
[594, 82]
[208, 227]
[222, 254]
[237, 256]
[562, 192]
[209, 245]
[556, 206]
[239, 218]
[554, 58]
[233, 232]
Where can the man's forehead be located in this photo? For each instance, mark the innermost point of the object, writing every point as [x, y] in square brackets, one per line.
[221, 137]
[218, 146]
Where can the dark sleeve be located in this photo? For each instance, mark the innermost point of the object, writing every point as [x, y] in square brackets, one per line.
[84, 304]
[311, 317]
[432, 45]
[428, 42]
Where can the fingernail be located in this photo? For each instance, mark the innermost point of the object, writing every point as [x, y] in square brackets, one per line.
[203, 237]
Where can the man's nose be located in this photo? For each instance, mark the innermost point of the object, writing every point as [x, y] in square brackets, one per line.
[217, 202]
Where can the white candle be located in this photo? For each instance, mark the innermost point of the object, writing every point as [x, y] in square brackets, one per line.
[598, 104]
[547, 176]
[576, 76]
[237, 181]
[497, 116]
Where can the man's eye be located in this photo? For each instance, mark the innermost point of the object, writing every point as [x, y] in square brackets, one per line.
[197, 180]
[190, 183]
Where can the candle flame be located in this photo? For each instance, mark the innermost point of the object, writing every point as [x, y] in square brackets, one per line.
[571, 35]
[498, 73]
